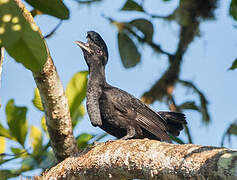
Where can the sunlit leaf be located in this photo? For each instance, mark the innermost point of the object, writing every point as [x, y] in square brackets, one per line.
[233, 9]
[36, 139]
[129, 54]
[145, 26]
[131, 5]
[19, 151]
[82, 140]
[2, 144]
[16, 119]
[37, 100]
[21, 39]
[76, 93]
[5, 132]
[52, 7]
[43, 124]
[234, 65]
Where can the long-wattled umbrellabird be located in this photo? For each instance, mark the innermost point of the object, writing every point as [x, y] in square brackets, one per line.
[116, 111]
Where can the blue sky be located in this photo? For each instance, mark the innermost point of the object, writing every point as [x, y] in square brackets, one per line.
[206, 63]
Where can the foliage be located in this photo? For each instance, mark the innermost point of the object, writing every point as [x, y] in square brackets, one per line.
[24, 43]
[21, 38]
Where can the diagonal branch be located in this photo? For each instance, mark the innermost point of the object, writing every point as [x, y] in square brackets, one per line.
[148, 159]
[55, 104]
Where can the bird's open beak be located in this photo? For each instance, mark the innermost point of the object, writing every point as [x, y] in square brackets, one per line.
[83, 46]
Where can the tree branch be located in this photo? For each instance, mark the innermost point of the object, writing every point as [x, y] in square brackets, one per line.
[55, 104]
[148, 159]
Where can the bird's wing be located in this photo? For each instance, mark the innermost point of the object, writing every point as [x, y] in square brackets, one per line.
[145, 117]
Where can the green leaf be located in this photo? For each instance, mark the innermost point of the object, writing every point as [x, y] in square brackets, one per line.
[16, 119]
[128, 51]
[43, 124]
[176, 139]
[37, 100]
[2, 144]
[18, 151]
[189, 105]
[5, 132]
[6, 174]
[131, 5]
[21, 39]
[76, 93]
[28, 163]
[145, 26]
[52, 7]
[203, 101]
[36, 140]
[82, 140]
[233, 9]
[232, 130]
[234, 65]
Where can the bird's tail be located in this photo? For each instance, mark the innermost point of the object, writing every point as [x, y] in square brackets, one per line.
[174, 120]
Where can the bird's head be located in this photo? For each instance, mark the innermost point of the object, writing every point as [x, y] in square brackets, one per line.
[94, 50]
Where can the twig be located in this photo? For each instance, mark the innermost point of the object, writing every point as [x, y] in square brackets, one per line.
[54, 30]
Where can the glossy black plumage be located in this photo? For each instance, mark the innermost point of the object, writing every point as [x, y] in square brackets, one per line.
[116, 111]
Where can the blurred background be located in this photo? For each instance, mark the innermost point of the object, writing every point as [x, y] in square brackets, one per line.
[174, 55]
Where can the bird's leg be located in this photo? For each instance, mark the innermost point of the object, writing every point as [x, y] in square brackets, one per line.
[130, 133]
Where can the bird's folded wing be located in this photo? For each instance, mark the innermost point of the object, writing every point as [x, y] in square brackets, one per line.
[145, 117]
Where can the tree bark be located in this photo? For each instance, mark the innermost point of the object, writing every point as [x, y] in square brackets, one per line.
[55, 104]
[147, 159]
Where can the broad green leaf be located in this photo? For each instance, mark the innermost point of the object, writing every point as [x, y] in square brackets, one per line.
[145, 26]
[52, 7]
[21, 39]
[16, 119]
[233, 9]
[82, 140]
[234, 65]
[19, 151]
[37, 100]
[79, 113]
[131, 5]
[5, 132]
[76, 93]
[43, 124]
[6, 174]
[28, 163]
[36, 139]
[128, 51]
[2, 144]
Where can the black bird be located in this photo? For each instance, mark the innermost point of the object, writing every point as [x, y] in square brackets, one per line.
[116, 111]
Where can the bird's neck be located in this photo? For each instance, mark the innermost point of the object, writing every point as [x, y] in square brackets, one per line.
[97, 75]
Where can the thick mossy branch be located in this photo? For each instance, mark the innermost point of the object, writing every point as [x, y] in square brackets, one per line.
[148, 159]
[55, 104]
